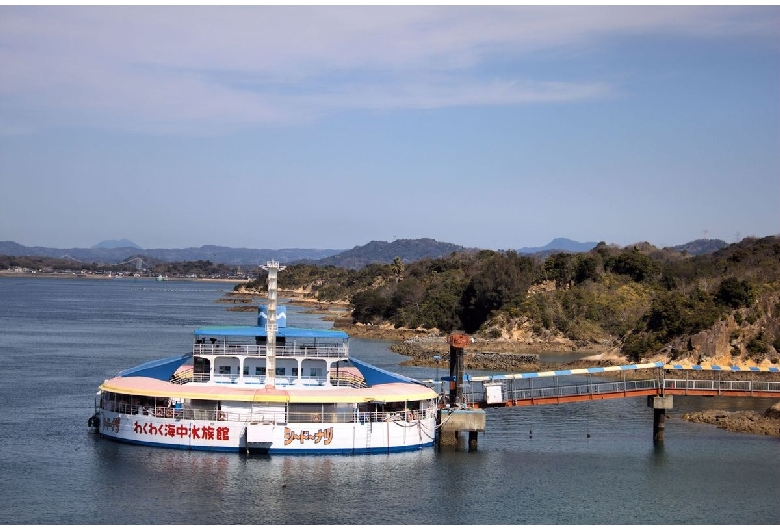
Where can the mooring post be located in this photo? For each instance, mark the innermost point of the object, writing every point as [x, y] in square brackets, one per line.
[457, 342]
[456, 418]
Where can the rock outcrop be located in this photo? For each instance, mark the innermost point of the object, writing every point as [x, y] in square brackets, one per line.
[746, 421]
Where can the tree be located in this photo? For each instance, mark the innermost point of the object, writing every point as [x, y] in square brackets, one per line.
[734, 293]
[398, 268]
[501, 280]
[634, 264]
[560, 267]
[369, 307]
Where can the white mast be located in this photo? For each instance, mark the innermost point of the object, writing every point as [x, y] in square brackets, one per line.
[270, 324]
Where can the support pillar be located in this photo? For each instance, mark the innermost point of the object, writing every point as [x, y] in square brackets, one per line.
[473, 440]
[659, 418]
[660, 404]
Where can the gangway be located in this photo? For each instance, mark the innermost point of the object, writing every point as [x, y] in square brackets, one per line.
[585, 384]
[612, 382]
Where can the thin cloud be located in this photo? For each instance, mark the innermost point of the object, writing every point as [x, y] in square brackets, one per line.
[206, 69]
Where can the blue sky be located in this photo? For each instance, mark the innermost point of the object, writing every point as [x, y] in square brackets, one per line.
[322, 127]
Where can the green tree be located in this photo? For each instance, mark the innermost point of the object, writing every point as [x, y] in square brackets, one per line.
[634, 264]
[398, 268]
[560, 267]
[734, 293]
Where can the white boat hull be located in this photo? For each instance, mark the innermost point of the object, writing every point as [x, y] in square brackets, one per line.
[392, 435]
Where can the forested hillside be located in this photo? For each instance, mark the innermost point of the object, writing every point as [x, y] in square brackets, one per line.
[408, 250]
[640, 300]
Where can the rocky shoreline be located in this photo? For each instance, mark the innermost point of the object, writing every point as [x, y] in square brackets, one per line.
[744, 421]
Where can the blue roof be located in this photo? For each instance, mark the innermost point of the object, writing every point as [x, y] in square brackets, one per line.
[377, 376]
[161, 369]
[255, 331]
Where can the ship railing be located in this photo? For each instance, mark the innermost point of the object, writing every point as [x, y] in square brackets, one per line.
[279, 418]
[361, 417]
[343, 380]
[282, 350]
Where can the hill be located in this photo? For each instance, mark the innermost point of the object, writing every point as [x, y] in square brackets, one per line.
[116, 243]
[111, 252]
[409, 250]
[701, 246]
[637, 302]
[560, 244]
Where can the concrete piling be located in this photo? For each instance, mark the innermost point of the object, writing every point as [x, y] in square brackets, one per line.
[659, 404]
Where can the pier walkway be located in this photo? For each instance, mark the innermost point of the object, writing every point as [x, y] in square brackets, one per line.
[587, 384]
[463, 398]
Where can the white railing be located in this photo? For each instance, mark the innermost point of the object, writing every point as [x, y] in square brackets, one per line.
[474, 392]
[407, 416]
[253, 350]
[722, 386]
[279, 380]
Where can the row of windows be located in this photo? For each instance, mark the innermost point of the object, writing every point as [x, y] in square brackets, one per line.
[260, 370]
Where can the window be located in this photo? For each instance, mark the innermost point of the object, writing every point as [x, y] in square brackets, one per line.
[224, 370]
[280, 371]
[260, 370]
[295, 371]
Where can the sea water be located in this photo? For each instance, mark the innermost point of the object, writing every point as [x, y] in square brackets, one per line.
[578, 463]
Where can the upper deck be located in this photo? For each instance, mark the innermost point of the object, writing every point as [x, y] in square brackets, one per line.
[252, 341]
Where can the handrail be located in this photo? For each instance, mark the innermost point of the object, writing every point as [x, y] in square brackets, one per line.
[475, 391]
[343, 380]
[728, 386]
[278, 418]
[259, 350]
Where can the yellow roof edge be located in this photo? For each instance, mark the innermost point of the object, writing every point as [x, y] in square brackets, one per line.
[286, 397]
[194, 394]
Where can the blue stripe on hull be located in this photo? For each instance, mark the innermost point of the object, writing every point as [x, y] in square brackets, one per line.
[369, 451]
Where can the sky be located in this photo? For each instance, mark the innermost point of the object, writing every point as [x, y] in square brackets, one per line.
[330, 127]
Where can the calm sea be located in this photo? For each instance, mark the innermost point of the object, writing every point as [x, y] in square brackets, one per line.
[581, 463]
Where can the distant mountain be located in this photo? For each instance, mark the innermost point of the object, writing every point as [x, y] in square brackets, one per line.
[560, 244]
[701, 246]
[114, 243]
[216, 254]
[408, 250]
